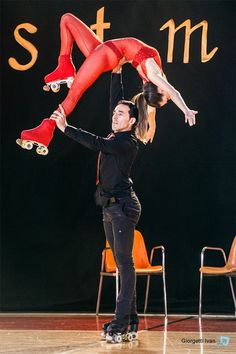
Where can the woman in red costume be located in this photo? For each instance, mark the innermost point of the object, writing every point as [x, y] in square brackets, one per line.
[102, 57]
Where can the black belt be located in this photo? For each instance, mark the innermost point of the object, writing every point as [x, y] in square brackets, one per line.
[114, 200]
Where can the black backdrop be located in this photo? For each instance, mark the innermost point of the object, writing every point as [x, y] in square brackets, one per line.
[51, 231]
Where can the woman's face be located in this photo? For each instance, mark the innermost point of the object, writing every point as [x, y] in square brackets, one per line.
[165, 97]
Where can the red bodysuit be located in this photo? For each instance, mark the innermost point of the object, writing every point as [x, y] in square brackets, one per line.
[104, 58]
[135, 51]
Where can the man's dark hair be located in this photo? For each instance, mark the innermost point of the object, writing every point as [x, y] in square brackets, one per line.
[152, 97]
[133, 110]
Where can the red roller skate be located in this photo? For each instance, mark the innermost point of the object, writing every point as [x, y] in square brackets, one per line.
[63, 74]
[39, 136]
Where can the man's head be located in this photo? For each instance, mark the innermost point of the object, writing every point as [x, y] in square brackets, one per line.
[124, 117]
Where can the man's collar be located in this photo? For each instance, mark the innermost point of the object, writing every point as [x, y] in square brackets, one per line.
[123, 134]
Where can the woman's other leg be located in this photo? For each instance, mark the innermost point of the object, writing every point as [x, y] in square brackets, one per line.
[72, 28]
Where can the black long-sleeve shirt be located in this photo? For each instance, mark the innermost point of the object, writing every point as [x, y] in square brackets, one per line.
[117, 153]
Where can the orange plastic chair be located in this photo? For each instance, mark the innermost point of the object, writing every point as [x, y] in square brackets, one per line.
[142, 267]
[228, 270]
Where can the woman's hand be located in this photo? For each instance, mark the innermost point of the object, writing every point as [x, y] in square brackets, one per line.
[150, 136]
[60, 118]
[190, 117]
[151, 124]
[154, 75]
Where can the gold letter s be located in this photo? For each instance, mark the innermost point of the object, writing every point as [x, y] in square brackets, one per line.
[25, 44]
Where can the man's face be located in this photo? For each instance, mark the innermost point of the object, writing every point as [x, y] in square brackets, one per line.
[121, 120]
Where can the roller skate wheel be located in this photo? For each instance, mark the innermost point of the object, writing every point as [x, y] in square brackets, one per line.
[117, 338]
[46, 88]
[28, 145]
[23, 144]
[129, 337]
[125, 337]
[108, 338]
[134, 335]
[42, 150]
[55, 87]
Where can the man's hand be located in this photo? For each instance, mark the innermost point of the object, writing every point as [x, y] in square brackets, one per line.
[190, 117]
[60, 118]
[118, 68]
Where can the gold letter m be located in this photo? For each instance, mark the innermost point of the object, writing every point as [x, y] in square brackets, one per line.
[188, 31]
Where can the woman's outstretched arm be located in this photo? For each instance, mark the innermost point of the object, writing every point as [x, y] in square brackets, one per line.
[154, 75]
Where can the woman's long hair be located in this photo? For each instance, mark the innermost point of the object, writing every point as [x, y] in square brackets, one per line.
[141, 126]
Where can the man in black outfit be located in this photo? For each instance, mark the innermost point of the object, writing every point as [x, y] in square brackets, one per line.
[121, 207]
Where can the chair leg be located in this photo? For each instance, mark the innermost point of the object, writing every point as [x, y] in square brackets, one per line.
[200, 296]
[233, 294]
[164, 292]
[99, 294]
[146, 296]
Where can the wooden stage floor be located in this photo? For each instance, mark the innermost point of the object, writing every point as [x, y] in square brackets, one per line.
[75, 333]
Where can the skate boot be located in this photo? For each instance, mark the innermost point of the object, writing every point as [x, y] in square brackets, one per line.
[117, 332]
[104, 330]
[39, 136]
[133, 326]
[63, 74]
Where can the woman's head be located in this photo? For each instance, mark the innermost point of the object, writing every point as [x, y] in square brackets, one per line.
[154, 96]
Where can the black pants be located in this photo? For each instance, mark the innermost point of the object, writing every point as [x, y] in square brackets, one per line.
[119, 220]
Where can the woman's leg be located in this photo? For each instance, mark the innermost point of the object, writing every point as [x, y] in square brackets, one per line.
[72, 28]
[102, 59]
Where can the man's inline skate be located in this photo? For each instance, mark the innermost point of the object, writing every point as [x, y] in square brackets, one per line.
[116, 332]
[39, 136]
[63, 74]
